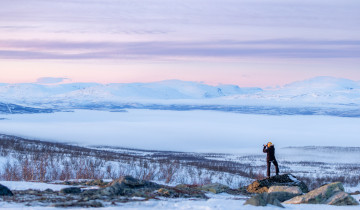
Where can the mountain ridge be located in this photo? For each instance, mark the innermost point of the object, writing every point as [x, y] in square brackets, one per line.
[311, 92]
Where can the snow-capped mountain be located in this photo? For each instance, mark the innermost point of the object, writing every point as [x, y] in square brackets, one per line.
[170, 89]
[324, 84]
[324, 90]
[318, 91]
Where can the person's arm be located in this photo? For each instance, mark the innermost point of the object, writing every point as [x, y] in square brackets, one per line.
[265, 150]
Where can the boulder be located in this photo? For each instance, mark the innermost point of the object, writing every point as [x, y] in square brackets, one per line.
[4, 191]
[189, 191]
[280, 196]
[91, 204]
[96, 182]
[290, 189]
[71, 190]
[342, 199]
[332, 194]
[261, 186]
[263, 199]
[48, 190]
[215, 188]
[129, 186]
[257, 200]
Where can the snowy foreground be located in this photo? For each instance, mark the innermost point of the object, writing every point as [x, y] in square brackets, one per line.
[216, 201]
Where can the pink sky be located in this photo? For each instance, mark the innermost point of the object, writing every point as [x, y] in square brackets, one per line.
[225, 72]
[248, 43]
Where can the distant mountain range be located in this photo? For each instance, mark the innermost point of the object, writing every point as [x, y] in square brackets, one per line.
[164, 90]
[323, 92]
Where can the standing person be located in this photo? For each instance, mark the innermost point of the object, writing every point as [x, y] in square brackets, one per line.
[270, 150]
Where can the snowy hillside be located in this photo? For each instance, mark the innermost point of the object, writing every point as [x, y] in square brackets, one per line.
[170, 89]
[316, 91]
[319, 89]
[316, 96]
[323, 90]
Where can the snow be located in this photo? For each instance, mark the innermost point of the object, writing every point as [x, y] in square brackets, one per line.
[293, 178]
[319, 91]
[171, 89]
[22, 185]
[192, 131]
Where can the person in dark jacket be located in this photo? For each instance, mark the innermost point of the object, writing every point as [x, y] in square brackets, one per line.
[270, 150]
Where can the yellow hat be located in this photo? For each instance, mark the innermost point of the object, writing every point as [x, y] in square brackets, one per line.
[269, 144]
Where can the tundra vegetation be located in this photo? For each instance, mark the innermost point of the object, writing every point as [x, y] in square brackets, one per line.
[34, 160]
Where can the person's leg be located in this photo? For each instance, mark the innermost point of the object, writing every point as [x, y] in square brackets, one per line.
[268, 168]
[276, 167]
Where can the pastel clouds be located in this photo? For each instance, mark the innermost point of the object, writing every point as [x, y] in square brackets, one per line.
[50, 80]
[215, 41]
[287, 48]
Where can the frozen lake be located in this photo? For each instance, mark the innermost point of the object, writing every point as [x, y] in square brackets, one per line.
[193, 131]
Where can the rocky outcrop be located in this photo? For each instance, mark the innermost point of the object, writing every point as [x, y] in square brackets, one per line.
[71, 190]
[342, 199]
[95, 182]
[261, 186]
[215, 188]
[332, 194]
[182, 191]
[4, 191]
[91, 204]
[273, 198]
[129, 186]
[264, 199]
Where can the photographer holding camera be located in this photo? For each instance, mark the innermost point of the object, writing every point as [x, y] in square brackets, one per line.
[270, 150]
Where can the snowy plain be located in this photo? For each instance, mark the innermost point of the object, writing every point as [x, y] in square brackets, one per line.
[190, 131]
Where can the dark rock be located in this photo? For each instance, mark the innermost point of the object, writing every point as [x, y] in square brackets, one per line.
[4, 191]
[257, 200]
[342, 199]
[264, 199]
[71, 190]
[49, 190]
[280, 196]
[132, 182]
[215, 188]
[96, 182]
[260, 186]
[332, 194]
[181, 191]
[89, 192]
[129, 186]
[94, 204]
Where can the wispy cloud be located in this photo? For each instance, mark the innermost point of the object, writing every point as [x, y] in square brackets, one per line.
[277, 48]
[50, 80]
